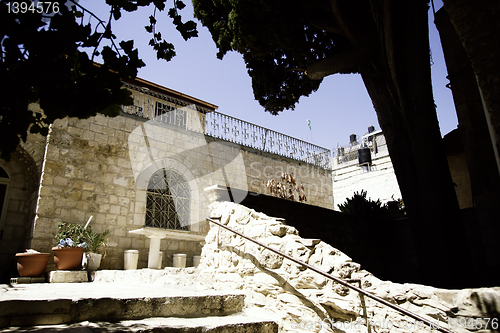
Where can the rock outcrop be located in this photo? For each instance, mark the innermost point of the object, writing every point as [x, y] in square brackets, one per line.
[302, 300]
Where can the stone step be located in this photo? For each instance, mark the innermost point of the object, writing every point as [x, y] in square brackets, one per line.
[63, 303]
[226, 324]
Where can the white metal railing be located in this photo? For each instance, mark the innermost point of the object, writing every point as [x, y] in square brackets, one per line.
[150, 104]
[235, 130]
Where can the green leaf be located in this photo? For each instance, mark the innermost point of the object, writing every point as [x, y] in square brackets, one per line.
[179, 4]
[127, 45]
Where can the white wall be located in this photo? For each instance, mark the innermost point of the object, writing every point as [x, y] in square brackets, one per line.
[380, 182]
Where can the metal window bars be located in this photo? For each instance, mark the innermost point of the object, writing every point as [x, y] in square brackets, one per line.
[167, 201]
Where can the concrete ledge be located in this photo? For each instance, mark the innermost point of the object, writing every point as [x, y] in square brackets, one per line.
[65, 303]
[68, 276]
[26, 279]
[224, 324]
[168, 234]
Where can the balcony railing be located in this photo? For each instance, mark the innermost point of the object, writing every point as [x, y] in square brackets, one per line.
[235, 130]
[166, 109]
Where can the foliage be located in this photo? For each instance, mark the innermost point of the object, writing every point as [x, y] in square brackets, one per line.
[95, 239]
[290, 46]
[71, 234]
[279, 49]
[395, 204]
[359, 205]
[286, 188]
[43, 60]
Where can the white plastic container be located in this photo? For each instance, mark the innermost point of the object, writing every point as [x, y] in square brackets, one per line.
[160, 260]
[179, 260]
[131, 257]
[196, 261]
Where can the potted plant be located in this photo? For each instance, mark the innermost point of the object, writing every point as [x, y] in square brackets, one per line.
[69, 251]
[94, 240]
[32, 263]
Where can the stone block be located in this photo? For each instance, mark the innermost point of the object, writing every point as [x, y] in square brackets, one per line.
[68, 276]
[95, 128]
[27, 280]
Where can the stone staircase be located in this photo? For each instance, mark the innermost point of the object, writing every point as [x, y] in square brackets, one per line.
[127, 301]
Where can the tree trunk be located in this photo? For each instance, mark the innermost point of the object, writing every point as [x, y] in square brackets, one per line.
[398, 81]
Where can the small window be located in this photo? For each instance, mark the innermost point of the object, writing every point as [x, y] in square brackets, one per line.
[168, 113]
[168, 201]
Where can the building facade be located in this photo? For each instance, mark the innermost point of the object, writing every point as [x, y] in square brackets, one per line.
[148, 167]
[371, 170]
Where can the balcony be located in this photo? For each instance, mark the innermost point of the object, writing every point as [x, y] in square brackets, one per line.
[166, 109]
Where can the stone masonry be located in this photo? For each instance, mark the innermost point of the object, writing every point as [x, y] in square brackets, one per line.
[302, 300]
[101, 166]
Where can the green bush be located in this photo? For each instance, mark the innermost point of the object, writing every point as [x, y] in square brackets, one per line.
[73, 231]
[95, 239]
[79, 235]
[359, 205]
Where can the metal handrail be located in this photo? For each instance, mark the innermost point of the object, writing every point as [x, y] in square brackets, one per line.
[338, 280]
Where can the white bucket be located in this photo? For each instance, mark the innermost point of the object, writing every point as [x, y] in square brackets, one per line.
[131, 257]
[179, 260]
[160, 260]
[196, 261]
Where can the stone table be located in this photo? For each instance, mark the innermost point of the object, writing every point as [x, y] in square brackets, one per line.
[156, 235]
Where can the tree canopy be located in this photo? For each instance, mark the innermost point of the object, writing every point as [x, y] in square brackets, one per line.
[47, 56]
[289, 46]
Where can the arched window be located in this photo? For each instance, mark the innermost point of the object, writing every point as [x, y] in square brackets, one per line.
[168, 201]
[4, 195]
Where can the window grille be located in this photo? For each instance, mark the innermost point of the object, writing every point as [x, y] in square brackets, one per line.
[168, 201]
[167, 113]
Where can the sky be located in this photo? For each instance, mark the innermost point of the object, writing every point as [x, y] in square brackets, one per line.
[340, 107]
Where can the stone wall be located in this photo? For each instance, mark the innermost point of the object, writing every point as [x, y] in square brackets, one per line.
[368, 242]
[21, 190]
[101, 166]
[261, 167]
[300, 300]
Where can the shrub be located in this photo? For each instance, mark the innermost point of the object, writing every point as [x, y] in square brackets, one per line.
[359, 205]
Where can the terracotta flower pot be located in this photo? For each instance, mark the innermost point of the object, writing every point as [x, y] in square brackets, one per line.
[68, 258]
[32, 264]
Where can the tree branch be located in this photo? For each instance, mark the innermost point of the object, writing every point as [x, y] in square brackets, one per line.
[325, 20]
[345, 62]
[343, 24]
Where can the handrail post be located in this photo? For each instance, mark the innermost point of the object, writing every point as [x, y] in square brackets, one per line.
[338, 280]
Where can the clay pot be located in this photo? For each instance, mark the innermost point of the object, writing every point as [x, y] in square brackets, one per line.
[68, 258]
[32, 264]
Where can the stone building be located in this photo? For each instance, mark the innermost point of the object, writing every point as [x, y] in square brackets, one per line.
[148, 167]
[364, 164]
[377, 176]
